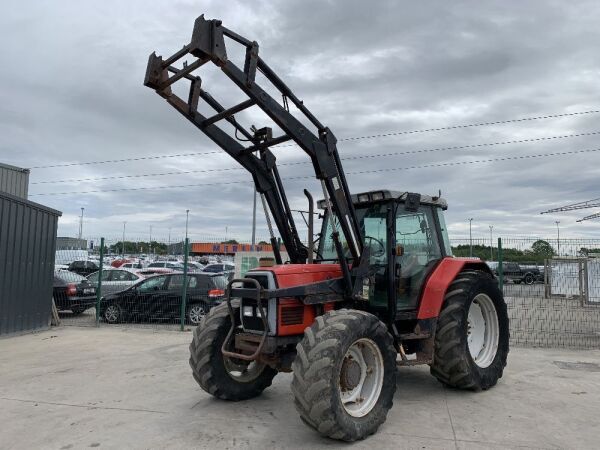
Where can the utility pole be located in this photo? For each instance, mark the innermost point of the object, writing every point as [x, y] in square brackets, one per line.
[254, 222]
[150, 238]
[187, 220]
[81, 224]
[470, 238]
[491, 244]
[557, 237]
[169, 245]
[123, 241]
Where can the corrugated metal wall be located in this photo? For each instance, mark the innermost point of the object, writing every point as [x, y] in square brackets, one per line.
[27, 248]
[14, 180]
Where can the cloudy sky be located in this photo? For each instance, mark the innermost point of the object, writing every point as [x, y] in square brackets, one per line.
[72, 93]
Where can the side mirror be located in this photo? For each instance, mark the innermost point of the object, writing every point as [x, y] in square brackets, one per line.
[399, 250]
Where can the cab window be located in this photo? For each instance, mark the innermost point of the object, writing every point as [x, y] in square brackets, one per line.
[416, 233]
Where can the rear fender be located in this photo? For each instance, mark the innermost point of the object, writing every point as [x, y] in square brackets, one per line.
[440, 279]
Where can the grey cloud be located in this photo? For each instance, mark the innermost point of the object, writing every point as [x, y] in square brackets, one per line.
[73, 92]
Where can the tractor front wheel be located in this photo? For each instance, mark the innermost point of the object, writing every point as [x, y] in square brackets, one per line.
[345, 374]
[222, 377]
[471, 340]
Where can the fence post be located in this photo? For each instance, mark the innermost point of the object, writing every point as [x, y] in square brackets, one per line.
[99, 286]
[186, 252]
[500, 266]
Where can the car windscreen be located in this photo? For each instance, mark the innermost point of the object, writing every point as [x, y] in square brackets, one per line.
[68, 277]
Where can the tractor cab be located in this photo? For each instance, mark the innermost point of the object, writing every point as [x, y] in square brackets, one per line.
[406, 236]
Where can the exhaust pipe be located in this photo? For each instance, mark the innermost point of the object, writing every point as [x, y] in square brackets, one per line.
[310, 226]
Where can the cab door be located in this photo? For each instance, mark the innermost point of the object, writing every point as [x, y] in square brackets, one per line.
[416, 234]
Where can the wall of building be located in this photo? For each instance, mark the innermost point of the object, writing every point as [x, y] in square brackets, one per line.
[14, 180]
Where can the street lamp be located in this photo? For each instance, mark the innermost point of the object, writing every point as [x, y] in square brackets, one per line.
[81, 224]
[187, 219]
[123, 241]
[557, 237]
[491, 244]
[470, 238]
[150, 239]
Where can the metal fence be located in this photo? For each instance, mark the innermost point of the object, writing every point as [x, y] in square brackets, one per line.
[552, 288]
[137, 283]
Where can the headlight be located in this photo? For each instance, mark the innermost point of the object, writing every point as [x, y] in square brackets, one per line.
[248, 311]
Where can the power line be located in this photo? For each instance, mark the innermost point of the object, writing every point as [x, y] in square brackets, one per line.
[481, 124]
[426, 166]
[439, 149]
[355, 138]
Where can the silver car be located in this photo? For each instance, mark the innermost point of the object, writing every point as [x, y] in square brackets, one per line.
[115, 280]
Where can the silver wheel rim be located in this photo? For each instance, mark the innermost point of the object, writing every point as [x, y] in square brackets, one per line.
[483, 332]
[361, 377]
[196, 314]
[243, 372]
[112, 313]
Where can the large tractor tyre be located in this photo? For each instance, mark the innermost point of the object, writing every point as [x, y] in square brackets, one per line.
[345, 374]
[224, 378]
[471, 341]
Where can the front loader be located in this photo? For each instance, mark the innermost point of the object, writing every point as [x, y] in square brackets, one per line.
[380, 290]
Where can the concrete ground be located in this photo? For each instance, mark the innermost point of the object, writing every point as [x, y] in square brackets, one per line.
[75, 387]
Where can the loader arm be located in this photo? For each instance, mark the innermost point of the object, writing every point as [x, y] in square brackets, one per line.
[208, 44]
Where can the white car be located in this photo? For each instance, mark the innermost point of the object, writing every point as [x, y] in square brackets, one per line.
[132, 265]
[115, 279]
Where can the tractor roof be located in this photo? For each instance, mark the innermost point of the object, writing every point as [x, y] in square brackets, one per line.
[371, 196]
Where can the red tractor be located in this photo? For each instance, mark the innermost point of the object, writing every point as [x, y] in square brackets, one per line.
[381, 289]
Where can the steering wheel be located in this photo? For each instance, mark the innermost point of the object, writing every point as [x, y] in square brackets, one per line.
[379, 253]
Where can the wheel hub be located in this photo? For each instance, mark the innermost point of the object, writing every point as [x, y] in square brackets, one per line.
[482, 330]
[361, 377]
[350, 375]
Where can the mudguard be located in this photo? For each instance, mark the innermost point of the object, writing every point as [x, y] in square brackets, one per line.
[439, 280]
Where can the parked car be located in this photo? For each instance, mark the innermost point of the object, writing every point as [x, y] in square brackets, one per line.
[132, 265]
[148, 271]
[520, 274]
[225, 268]
[166, 265]
[119, 262]
[115, 280]
[192, 265]
[83, 268]
[159, 298]
[73, 292]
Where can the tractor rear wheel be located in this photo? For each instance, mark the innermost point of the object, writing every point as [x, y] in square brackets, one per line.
[345, 374]
[222, 377]
[471, 341]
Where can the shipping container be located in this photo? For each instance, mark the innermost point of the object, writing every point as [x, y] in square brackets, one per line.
[27, 250]
[14, 180]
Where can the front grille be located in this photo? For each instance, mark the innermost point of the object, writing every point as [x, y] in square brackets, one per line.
[292, 315]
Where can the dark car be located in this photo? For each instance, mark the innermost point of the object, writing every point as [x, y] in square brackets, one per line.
[159, 297]
[72, 292]
[521, 274]
[83, 268]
